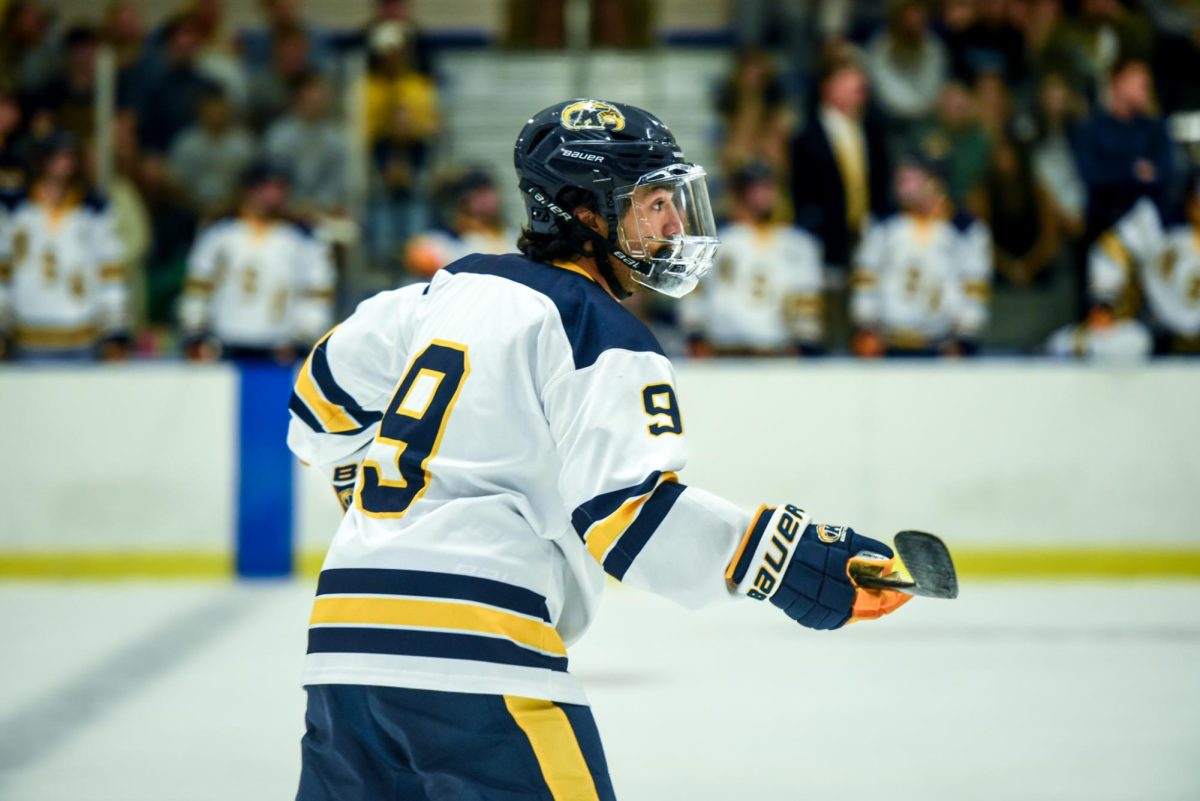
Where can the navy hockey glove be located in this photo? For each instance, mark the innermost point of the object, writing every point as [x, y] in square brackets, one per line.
[803, 568]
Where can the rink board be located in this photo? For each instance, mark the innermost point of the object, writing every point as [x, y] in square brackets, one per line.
[1027, 468]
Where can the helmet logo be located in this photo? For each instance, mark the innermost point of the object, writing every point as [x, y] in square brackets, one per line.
[592, 115]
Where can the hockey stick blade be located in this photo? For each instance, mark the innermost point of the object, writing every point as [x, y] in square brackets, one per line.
[927, 560]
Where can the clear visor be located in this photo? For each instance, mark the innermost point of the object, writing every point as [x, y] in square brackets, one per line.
[666, 220]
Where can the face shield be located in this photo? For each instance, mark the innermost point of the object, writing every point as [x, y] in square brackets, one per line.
[666, 221]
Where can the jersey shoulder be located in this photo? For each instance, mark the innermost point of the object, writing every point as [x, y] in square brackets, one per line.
[593, 321]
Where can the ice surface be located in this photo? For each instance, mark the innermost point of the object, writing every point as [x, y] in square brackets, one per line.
[173, 692]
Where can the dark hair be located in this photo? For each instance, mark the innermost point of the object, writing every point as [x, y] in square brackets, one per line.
[1126, 62]
[560, 245]
[835, 63]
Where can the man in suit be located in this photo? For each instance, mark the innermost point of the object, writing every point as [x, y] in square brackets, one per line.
[839, 177]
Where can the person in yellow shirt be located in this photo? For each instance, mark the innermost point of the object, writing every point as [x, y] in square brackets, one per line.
[401, 120]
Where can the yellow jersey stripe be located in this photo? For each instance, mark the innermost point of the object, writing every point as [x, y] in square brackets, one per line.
[603, 535]
[575, 268]
[556, 747]
[333, 417]
[420, 613]
[1111, 244]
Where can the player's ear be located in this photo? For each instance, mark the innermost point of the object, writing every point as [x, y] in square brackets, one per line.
[592, 220]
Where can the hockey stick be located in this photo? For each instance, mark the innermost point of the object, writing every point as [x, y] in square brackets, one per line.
[926, 559]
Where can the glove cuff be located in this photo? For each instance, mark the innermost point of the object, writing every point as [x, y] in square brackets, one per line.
[766, 549]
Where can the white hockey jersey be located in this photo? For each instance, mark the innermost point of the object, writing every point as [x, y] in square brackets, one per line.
[519, 435]
[258, 284]
[1162, 257]
[63, 283]
[765, 292]
[922, 281]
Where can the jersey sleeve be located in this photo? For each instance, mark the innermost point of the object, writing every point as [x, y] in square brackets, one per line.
[312, 312]
[1134, 239]
[865, 301]
[620, 436]
[345, 384]
[203, 275]
[974, 268]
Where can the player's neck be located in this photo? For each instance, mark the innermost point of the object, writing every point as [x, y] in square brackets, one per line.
[588, 265]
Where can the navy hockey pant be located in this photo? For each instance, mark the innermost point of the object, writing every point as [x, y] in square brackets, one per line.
[392, 744]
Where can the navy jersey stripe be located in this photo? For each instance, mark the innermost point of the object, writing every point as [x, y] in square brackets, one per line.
[757, 529]
[437, 644]
[323, 377]
[589, 513]
[297, 405]
[593, 320]
[427, 584]
[643, 527]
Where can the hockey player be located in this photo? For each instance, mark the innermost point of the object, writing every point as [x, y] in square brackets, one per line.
[473, 224]
[1156, 255]
[923, 276]
[259, 285]
[765, 297]
[63, 292]
[510, 434]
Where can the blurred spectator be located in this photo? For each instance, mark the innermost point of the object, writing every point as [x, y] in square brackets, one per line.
[907, 63]
[273, 85]
[313, 148]
[282, 17]
[471, 223]
[1021, 217]
[217, 58]
[754, 114]
[1156, 256]
[131, 219]
[136, 64]
[1123, 152]
[397, 92]
[1054, 166]
[923, 275]
[990, 43]
[1109, 34]
[400, 11]
[259, 286]
[208, 159]
[955, 137]
[995, 105]
[62, 283]
[28, 48]
[764, 296]
[1052, 47]
[839, 176]
[171, 98]
[71, 95]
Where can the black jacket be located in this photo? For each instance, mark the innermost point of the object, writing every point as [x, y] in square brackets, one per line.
[817, 192]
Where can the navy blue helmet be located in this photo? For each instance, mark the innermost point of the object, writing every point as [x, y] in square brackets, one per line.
[629, 164]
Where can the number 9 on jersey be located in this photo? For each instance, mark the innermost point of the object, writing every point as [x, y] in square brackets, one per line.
[412, 429]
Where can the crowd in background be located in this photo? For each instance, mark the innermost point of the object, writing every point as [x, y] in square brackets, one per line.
[895, 178]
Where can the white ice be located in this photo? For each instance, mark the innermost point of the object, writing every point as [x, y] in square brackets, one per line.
[174, 692]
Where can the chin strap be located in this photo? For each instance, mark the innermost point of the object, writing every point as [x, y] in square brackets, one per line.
[603, 247]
